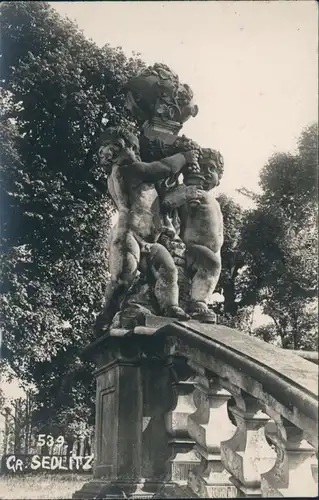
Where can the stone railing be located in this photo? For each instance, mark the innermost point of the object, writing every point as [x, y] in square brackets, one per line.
[308, 355]
[194, 410]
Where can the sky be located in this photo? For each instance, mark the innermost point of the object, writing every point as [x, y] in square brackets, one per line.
[252, 66]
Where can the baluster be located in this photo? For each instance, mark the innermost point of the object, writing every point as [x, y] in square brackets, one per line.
[294, 472]
[182, 458]
[247, 454]
[208, 427]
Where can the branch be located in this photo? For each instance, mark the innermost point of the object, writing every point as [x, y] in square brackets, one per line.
[248, 193]
[234, 270]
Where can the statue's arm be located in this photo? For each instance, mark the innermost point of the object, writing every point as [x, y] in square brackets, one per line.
[180, 195]
[158, 170]
[175, 198]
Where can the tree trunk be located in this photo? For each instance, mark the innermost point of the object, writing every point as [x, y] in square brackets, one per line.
[230, 304]
[17, 427]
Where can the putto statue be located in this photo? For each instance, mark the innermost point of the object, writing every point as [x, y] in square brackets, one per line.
[165, 248]
[133, 242]
[201, 229]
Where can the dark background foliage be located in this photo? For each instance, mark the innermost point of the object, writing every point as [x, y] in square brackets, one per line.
[58, 89]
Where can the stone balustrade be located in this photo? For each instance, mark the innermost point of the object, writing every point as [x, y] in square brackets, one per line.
[309, 355]
[195, 410]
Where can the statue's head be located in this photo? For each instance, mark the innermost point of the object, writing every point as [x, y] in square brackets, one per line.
[211, 165]
[117, 146]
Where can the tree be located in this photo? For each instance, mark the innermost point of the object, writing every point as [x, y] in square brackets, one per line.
[232, 257]
[270, 251]
[280, 237]
[59, 91]
[235, 280]
[267, 333]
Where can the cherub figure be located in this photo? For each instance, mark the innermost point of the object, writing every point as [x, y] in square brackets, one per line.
[201, 229]
[133, 241]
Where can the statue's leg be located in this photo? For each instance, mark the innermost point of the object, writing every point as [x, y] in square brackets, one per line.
[206, 265]
[124, 256]
[166, 282]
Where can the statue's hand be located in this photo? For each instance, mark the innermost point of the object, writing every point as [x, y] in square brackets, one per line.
[145, 247]
[194, 193]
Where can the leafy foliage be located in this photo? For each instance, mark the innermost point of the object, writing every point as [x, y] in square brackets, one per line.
[280, 237]
[59, 90]
[267, 333]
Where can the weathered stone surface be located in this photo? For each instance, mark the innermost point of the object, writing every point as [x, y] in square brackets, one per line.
[138, 450]
[200, 229]
[308, 355]
[171, 232]
[284, 362]
[118, 444]
[146, 383]
[209, 426]
[134, 245]
[156, 98]
[247, 454]
[293, 471]
[182, 457]
[284, 381]
[123, 420]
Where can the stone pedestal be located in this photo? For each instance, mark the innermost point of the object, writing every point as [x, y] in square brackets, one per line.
[119, 422]
[133, 395]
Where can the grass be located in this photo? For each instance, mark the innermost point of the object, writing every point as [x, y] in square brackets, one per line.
[41, 486]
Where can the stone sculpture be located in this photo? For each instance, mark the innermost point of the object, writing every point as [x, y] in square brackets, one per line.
[164, 251]
[201, 229]
[159, 102]
[133, 242]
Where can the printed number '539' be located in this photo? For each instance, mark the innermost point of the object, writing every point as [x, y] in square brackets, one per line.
[49, 440]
